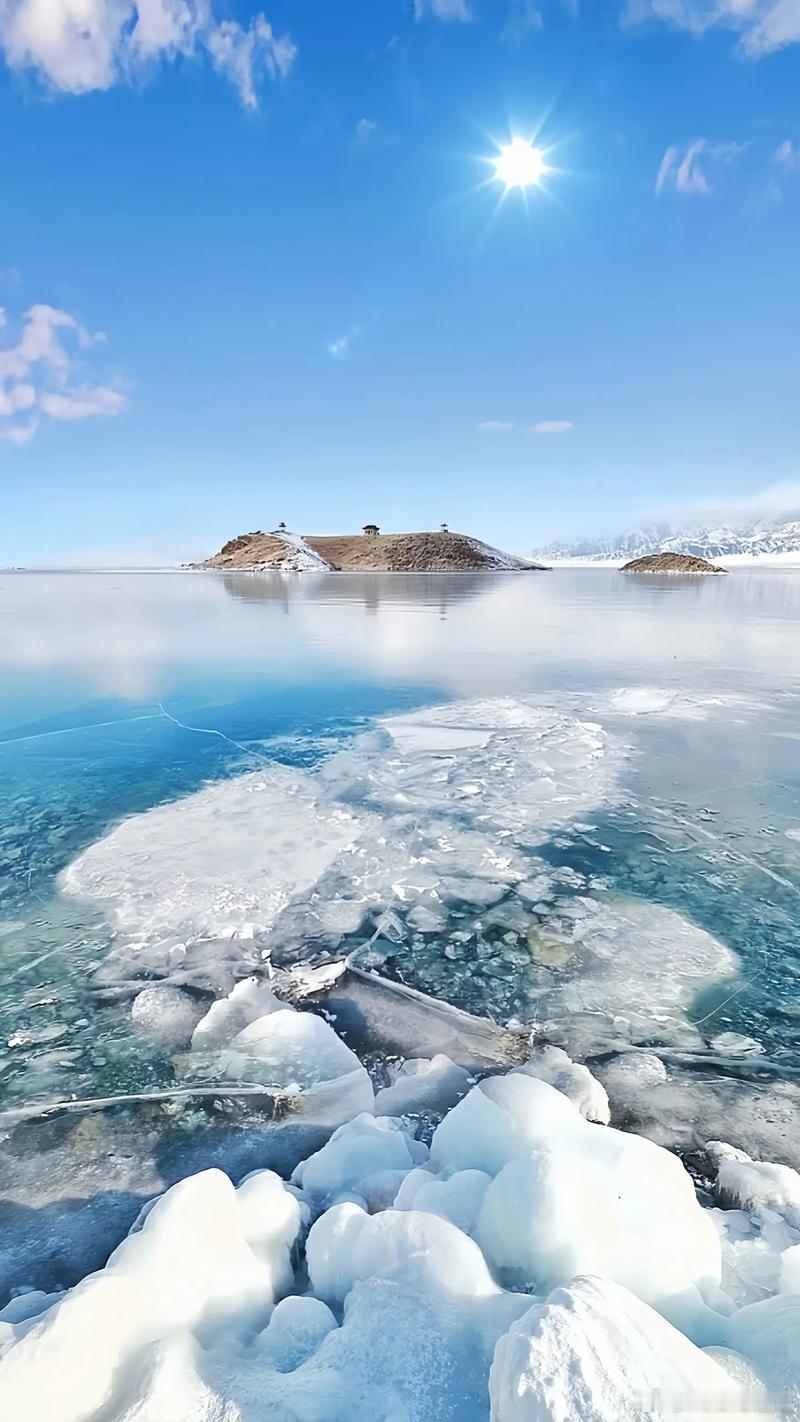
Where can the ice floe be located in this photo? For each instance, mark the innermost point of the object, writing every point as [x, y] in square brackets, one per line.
[661, 701]
[430, 826]
[457, 791]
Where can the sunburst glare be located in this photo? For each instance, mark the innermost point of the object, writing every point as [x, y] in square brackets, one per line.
[520, 164]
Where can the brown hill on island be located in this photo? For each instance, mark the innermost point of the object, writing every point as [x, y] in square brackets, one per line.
[442, 552]
[671, 563]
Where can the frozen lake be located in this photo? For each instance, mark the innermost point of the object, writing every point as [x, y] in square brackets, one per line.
[569, 800]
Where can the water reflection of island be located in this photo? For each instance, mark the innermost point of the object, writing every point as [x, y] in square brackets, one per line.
[437, 591]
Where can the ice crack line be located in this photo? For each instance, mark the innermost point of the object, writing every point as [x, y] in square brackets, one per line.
[727, 849]
[72, 730]
[210, 731]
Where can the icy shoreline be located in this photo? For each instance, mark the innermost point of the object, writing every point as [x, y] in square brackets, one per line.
[524, 1261]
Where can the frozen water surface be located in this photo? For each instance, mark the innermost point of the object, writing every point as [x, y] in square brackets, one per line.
[550, 812]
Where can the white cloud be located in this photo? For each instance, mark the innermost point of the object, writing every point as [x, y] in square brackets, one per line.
[87, 400]
[365, 129]
[680, 167]
[785, 163]
[524, 19]
[552, 427]
[787, 157]
[19, 434]
[244, 55]
[341, 347]
[495, 426]
[442, 10]
[43, 374]
[763, 26]
[76, 46]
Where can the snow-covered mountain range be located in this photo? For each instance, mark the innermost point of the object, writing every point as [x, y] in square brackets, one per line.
[764, 538]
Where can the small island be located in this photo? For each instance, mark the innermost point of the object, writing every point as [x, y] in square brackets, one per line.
[671, 563]
[369, 551]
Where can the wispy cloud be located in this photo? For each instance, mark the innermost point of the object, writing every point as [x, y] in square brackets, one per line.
[787, 157]
[365, 130]
[552, 427]
[680, 168]
[524, 19]
[763, 26]
[46, 373]
[445, 10]
[341, 347]
[76, 46]
[495, 426]
[784, 164]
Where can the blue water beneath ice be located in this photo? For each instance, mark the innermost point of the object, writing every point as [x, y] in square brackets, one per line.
[121, 691]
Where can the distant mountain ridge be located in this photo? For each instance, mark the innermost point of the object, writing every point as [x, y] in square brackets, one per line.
[761, 538]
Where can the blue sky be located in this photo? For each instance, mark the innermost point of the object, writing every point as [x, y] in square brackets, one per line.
[269, 279]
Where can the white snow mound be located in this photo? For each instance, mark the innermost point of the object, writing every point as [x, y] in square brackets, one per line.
[594, 1351]
[396, 1304]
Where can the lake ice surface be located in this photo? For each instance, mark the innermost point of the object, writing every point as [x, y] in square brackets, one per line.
[566, 802]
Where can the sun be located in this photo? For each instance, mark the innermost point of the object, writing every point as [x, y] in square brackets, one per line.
[519, 164]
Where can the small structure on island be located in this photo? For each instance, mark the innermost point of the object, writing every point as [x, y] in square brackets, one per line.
[371, 530]
[281, 528]
[444, 529]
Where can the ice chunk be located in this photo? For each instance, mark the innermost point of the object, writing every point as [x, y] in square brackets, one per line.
[753, 1250]
[166, 1013]
[757, 1186]
[422, 1084]
[356, 1151]
[300, 1054]
[632, 1072]
[294, 1332]
[556, 1176]
[499, 1120]
[552, 1064]
[593, 1351]
[271, 1219]
[734, 1044]
[418, 1250]
[457, 1198]
[248, 1000]
[190, 1267]
[768, 1333]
